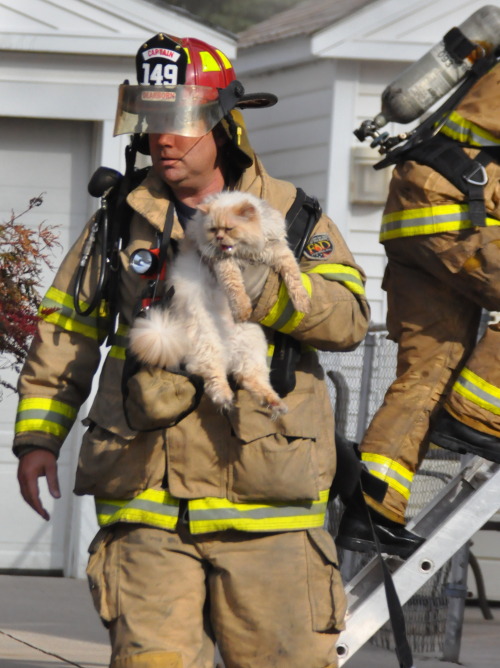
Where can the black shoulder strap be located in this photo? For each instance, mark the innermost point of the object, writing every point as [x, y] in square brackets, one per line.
[121, 212]
[121, 216]
[467, 174]
[300, 219]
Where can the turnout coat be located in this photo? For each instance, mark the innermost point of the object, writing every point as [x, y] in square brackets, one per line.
[236, 470]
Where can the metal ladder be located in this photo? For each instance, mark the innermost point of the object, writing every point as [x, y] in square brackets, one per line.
[453, 516]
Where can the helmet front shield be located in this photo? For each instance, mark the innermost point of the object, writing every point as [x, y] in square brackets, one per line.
[190, 111]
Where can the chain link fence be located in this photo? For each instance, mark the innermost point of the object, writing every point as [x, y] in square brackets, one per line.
[358, 381]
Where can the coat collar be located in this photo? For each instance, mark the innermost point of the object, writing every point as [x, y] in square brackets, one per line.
[152, 197]
[151, 200]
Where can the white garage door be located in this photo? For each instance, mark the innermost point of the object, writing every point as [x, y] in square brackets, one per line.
[53, 158]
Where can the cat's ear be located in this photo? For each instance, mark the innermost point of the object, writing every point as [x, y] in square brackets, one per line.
[246, 210]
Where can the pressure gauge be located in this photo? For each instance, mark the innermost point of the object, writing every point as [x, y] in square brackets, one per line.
[145, 262]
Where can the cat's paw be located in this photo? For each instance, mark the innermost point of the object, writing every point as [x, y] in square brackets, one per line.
[241, 307]
[242, 313]
[277, 409]
[221, 395]
[275, 404]
[301, 302]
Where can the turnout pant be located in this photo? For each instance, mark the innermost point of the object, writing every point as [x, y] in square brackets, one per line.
[436, 287]
[265, 599]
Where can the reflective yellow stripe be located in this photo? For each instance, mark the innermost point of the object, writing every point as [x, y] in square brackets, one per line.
[208, 62]
[153, 507]
[47, 415]
[63, 315]
[212, 514]
[459, 128]
[224, 59]
[428, 220]
[276, 309]
[282, 316]
[478, 391]
[118, 352]
[161, 509]
[120, 342]
[394, 474]
[342, 273]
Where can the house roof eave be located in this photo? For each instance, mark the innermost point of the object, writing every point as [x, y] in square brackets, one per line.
[274, 55]
[114, 27]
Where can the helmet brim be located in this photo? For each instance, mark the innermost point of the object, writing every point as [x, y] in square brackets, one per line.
[257, 100]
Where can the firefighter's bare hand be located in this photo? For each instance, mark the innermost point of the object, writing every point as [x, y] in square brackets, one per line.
[38, 464]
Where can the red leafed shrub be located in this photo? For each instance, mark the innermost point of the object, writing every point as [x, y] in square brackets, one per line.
[24, 252]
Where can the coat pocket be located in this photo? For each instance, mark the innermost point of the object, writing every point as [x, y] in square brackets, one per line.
[275, 460]
[156, 399]
[110, 466]
[326, 589]
[274, 468]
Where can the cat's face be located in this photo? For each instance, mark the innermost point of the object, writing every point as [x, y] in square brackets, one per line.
[233, 229]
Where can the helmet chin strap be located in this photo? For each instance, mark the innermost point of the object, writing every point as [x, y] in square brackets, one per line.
[221, 167]
[190, 148]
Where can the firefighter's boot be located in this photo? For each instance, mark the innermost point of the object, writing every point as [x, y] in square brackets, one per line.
[450, 433]
[355, 533]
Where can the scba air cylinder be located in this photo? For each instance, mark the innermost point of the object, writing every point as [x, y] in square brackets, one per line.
[437, 72]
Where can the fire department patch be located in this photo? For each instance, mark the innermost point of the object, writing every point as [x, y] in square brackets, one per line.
[319, 246]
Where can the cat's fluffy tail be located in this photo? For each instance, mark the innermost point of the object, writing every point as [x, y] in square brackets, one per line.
[158, 339]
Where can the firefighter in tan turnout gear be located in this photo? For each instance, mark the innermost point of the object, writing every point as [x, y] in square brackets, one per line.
[443, 268]
[211, 522]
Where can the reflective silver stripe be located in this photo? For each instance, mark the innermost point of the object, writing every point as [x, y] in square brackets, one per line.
[387, 473]
[428, 220]
[459, 128]
[46, 415]
[152, 507]
[212, 514]
[285, 316]
[283, 312]
[478, 391]
[159, 508]
[256, 513]
[348, 276]
[394, 474]
[57, 307]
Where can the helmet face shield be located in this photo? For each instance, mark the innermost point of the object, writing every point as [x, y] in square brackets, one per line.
[190, 111]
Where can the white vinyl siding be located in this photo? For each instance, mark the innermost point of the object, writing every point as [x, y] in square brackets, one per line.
[293, 137]
[52, 158]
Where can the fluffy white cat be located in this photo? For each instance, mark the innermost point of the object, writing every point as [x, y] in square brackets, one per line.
[205, 326]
